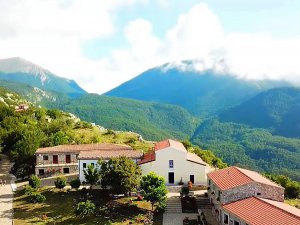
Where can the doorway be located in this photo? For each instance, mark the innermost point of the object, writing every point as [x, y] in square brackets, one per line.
[192, 178]
[171, 177]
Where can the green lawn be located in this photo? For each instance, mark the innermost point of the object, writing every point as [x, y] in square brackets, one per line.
[58, 209]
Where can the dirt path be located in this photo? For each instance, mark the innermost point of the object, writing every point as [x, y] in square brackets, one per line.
[6, 194]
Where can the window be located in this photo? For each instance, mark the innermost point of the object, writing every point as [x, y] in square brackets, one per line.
[84, 165]
[93, 164]
[171, 164]
[68, 158]
[258, 193]
[55, 159]
[41, 171]
[209, 182]
[66, 170]
[226, 219]
[45, 157]
[236, 222]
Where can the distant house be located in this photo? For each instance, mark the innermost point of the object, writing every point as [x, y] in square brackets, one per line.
[233, 184]
[65, 158]
[21, 107]
[86, 158]
[172, 161]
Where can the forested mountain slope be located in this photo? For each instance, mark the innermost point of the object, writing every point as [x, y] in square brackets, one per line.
[277, 110]
[201, 93]
[251, 147]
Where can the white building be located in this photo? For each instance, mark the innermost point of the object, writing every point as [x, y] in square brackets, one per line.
[86, 158]
[172, 161]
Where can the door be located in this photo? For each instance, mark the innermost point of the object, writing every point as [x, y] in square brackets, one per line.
[68, 158]
[192, 178]
[171, 178]
[55, 159]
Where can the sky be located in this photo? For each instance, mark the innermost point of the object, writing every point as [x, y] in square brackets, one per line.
[102, 44]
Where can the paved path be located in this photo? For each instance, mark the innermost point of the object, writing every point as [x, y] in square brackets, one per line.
[6, 194]
[177, 218]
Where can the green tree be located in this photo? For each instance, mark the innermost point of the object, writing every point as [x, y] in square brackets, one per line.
[122, 174]
[92, 175]
[292, 190]
[154, 189]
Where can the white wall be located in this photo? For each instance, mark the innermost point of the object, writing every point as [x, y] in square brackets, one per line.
[80, 169]
[88, 162]
[182, 167]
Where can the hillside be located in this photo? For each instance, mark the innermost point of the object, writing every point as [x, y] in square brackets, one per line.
[251, 147]
[277, 110]
[154, 121]
[20, 70]
[33, 94]
[199, 92]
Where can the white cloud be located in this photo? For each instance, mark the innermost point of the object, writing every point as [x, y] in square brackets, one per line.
[51, 34]
[198, 35]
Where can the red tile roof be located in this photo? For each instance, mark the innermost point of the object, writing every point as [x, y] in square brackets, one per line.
[234, 176]
[82, 147]
[148, 157]
[169, 143]
[257, 211]
[107, 154]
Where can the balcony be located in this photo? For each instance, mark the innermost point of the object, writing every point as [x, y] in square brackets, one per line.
[59, 163]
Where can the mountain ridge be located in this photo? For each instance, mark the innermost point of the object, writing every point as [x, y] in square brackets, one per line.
[201, 93]
[23, 71]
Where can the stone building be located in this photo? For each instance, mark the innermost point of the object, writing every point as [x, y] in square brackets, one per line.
[64, 158]
[259, 211]
[233, 184]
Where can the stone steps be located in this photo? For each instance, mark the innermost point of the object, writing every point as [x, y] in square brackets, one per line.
[173, 205]
[203, 203]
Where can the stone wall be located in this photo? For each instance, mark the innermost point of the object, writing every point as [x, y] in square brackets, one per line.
[244, 191]
[51, 169]
[61, 158]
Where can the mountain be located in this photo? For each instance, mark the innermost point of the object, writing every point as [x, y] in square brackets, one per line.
[277, 110]
[255, 148]
[199, 92]
[20, 70]
[154, 121]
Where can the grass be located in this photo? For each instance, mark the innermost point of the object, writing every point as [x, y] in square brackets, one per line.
[293, 202]
[93, 135]
[58, 209]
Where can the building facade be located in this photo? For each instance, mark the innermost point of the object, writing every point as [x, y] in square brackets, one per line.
[64, 158]
[87, 158]
[171, 160]
[233, 184]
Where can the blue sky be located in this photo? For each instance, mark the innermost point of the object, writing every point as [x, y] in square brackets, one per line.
[103, 43]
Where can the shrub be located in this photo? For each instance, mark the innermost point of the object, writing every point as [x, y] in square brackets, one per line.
[161, 207]
[75, 183]
[37, 197]
[60, 182]
[84, 209]
[29, 190]
[34, 181]
[185, 190]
